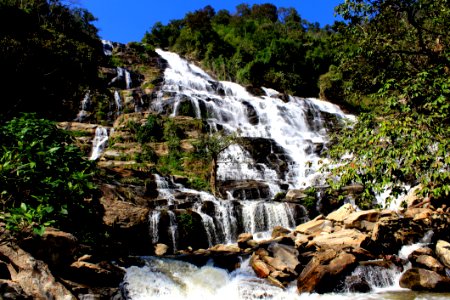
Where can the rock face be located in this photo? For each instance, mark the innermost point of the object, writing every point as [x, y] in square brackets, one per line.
[346, 238]
[33, 276]
[418, 279]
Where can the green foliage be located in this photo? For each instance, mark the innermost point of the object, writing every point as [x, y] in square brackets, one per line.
[43, 176]
[259, 45]
[50, 49]
[401, 59]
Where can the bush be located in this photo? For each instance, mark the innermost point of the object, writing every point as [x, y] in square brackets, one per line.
[43, 176]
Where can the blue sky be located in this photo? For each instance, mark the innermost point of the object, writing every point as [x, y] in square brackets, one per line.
[127, 20]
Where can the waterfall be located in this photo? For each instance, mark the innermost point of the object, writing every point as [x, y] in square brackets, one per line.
[123, 76]
[85, 105]
[296, 126]
[118, 101]
[107, 47]
[99, 142]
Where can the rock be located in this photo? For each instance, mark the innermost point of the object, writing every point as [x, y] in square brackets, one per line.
[443, 252]
[411, 198]
[313, 227]
[418, 279]
[161, 249]
[346, 238]
[418, 252]
[10, 290]
[371, 215]
[353, 189]
[288, 255]
[54, 247]
[275, 282]
[343, 212]
[279, 231]
[324, 270]
[261, 269]
[357, 284]
[295, 195]
[225, 248]
[245, 189]
[418, 213]
[243, 240]
[33, 276]
[430, 263]
[98, 274]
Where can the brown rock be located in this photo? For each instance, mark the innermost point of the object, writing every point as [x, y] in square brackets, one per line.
[430, 263]
[288, 255]
[261, 269]
[161, 249]
[443, 252]
[243, 239]
[102, 274]
[418, 279]
[295, 195]
[33, 275]
[418, 213]
[313, 226]
[12, 290]
[225, 248]
[340, 214]
[279, 231]
[354, 219]
[346, 238]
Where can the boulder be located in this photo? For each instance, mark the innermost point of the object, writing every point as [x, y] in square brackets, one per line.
[346, 238]
[225, 249]
[99, 274]
[288, 255]
[418, 279]
[340, 214]
[418, 213]
[10, 290]
[243, 240]
[357, 284]
[324, 271]
[54, 247]
[429, 262]
[443, 252]
[295, 195]
[33, 276]
[261, 268]
[161, 249]
[279, 231]
[314, 226]
[354, 220]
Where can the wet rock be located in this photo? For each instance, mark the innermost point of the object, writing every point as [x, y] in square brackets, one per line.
[357, 284]
[346, 238]
[245, 190]
[279, 231]
[443, 252]
[429, 262]
[225, 249]
[261, 268]
[161, 249]
[340, 214]
[418, 279]
[287, 255]
[243, 240]
[252, 115]
[295, 195]
[33, 276]
[421, 251]
[98, 274]
[323, 272]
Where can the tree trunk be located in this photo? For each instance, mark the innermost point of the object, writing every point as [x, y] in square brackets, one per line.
[213, 176]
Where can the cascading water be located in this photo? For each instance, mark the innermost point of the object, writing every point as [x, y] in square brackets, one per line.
[85, 105]
[118, 101]
[297, 126]
[99, 142]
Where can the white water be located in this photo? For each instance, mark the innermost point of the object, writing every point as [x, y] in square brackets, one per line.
[85, 104]
[118, 101]
[99, 142]
[297, 126]
[107, 47]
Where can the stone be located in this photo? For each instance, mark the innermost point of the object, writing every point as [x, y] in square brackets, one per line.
[418, 213]
[261, 269]
[288, 255]
[54, 247]
[418, 279]
[232, 248]
[243, 240]
[101, 274]
[313, 226]
[279, 231]
[411, 198]
[323, 271]
[340, 214]
[33, 276]
[161, 249]
[430, 263]
[421, 251]
[295, 195]
[10, 290]
[354, 220]
[346, 238]
[443, 252]
[357, 284]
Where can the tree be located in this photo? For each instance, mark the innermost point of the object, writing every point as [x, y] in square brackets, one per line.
[402, 51]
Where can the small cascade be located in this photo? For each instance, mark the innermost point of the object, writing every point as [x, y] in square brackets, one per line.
[99, 142]
[173, 229]
[107, 47]
[118, 101]
[154, 222]
[123, 78]
[85, 106]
